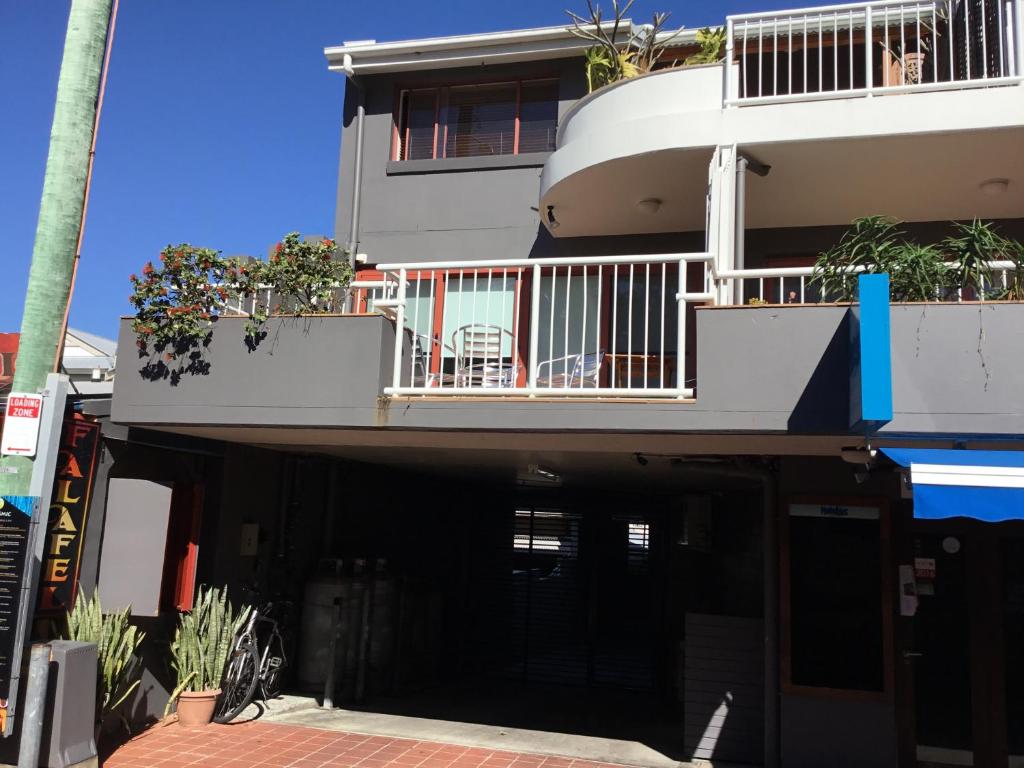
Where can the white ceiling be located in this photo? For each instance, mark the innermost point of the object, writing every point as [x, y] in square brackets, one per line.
[927, 177]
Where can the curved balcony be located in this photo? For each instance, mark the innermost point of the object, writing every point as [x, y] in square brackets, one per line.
[646, 139]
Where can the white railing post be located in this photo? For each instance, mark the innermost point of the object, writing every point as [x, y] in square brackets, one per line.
[681, 331]
[399, 330]
[1018, 44]
[727, 85]
[727, 217]
[534, 326]
[869, 75]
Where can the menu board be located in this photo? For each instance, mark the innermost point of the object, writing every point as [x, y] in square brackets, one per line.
[15, 522]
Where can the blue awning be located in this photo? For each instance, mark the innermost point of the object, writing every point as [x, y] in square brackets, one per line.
[984, 485]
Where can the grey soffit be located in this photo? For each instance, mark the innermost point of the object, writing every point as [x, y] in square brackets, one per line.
[451, 164]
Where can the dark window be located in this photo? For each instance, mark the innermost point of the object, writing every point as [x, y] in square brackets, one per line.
[477, 120]
[538, 116]
[835, 567]
[480, 120]
[417, 139]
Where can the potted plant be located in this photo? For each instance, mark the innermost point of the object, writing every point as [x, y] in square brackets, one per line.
[117, 667]
[958, 265]
[199, 654]
[613, 58]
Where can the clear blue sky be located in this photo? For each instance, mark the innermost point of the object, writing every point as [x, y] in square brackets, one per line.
[221, 124]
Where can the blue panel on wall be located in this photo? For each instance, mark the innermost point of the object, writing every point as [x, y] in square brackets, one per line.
[871, 369]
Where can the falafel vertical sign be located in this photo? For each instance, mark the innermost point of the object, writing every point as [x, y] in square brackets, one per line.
[69, 506]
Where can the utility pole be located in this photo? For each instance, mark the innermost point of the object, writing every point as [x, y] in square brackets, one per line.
[58, 230]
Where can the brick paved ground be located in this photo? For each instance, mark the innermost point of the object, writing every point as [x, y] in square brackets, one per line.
[251, 744]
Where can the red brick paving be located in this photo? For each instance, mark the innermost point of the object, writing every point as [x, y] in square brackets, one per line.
[270, 745]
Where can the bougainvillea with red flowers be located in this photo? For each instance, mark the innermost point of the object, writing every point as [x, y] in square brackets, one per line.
[178, 301]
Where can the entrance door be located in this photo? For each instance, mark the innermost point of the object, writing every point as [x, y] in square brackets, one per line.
[967, 651]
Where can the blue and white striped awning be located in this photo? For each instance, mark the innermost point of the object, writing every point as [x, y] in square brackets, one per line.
[984, 485]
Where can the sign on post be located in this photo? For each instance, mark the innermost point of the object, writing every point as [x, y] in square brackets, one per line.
[16, 513]
[21, 424]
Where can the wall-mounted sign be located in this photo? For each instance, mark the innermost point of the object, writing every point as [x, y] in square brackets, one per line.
[924, 568]
[837, 511]
[21, 424]
[15, 520]
[69, 509]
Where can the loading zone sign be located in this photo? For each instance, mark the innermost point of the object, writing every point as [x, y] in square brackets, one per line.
[21, 424]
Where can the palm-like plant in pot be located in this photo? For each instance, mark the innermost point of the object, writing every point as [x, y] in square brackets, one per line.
[199, 654]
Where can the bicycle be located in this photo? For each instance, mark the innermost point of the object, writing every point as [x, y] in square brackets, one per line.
[252, 664]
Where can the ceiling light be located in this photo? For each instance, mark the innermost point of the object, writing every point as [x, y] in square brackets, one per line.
[536, 475]
[649, 205]
[994, 187]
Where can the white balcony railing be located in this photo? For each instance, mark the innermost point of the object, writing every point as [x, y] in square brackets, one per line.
[865, 49]
[606, 326]
[796, 285]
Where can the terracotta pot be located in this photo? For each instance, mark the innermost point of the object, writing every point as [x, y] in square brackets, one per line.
[195, 708]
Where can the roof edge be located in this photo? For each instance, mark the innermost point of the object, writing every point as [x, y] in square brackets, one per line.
[539, 43]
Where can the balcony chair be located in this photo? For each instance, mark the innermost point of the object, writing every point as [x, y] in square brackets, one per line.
[579, 370]
[422, 376]
[478, 358]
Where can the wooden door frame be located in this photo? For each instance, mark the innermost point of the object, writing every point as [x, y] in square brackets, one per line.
[983, 575]
[887, 601]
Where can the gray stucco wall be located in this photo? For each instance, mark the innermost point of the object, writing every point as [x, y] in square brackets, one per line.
[443, 214]
[310, 371]
[472, 208]
[957, 369]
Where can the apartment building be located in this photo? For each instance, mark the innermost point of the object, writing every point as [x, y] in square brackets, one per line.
[592, 453]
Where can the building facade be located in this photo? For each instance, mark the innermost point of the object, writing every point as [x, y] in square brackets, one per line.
[592, 436]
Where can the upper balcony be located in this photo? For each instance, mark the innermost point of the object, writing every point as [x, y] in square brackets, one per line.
[872, 101]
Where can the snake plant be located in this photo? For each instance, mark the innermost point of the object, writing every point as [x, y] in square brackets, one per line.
[117, 670]
[203, 640]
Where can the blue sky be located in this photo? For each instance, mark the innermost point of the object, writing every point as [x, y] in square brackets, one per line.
[221, 123]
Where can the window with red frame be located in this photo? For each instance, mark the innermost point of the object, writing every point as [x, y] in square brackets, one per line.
[509, 118]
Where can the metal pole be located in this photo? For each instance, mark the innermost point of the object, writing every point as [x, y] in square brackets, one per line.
[40, 487]
[396, 373]
[535, 326]
[741, 221]
[35, 707]
[869, 75]
[60, 212]
[357, 182]
[727, 64]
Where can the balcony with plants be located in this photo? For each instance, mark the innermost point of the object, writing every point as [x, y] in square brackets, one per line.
[949, 72]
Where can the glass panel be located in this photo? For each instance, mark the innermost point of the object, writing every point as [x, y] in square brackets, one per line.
[417, 132]
[476, 300]
[638, 327]
[942, 674]
[562, 319]
[835, 598]
[538, 116]
[480, 120]
[419, 308]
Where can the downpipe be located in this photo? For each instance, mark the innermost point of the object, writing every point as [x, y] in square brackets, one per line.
[357, 174]
[770, 554]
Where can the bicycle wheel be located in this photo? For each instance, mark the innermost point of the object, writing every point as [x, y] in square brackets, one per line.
[239, 684]
[275, 665]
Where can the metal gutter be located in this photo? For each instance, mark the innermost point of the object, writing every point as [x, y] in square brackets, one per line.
[371, 57]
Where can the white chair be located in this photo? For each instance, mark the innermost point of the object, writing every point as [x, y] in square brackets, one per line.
[571, 371]
[478, 358]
